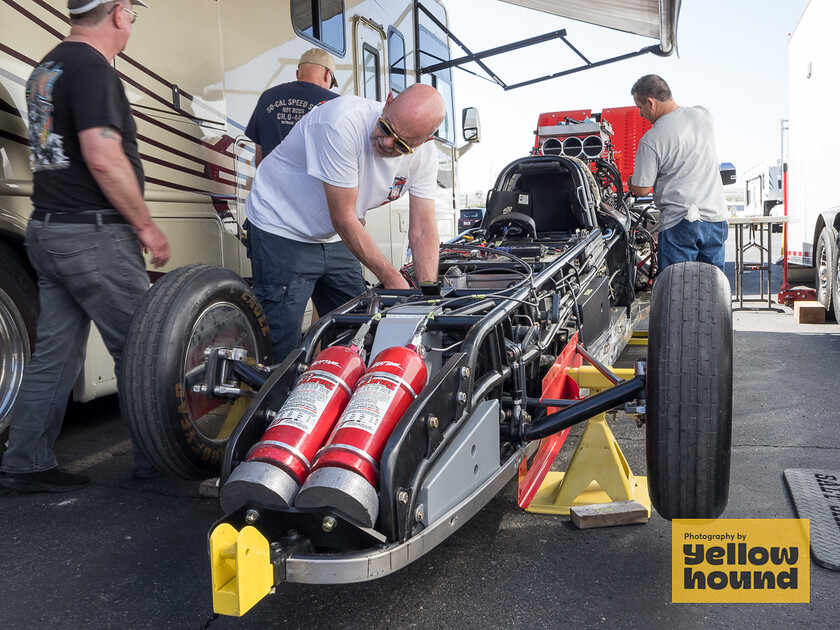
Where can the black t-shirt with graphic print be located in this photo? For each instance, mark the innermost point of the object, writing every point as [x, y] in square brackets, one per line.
[74, 88]
[278, 110]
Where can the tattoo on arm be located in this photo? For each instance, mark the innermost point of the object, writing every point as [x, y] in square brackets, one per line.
[109, 133]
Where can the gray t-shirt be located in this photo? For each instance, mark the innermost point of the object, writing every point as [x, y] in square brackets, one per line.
[677, 156]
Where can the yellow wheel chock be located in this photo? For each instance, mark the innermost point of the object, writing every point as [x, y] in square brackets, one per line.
[598, 472]
[240, 567]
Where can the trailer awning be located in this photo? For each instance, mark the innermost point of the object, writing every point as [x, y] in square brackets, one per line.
[656, 19]
[650, 18]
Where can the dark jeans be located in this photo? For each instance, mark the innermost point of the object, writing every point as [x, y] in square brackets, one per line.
[690, 241]
[287, 273]
[85, 272]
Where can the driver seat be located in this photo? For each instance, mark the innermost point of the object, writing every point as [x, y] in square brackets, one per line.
[503, 202]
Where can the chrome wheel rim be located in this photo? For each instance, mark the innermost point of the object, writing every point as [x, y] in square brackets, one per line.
[224, 325]
[14, 355]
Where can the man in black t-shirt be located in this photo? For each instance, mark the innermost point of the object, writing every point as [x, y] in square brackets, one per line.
[279, 108]
[86, 235]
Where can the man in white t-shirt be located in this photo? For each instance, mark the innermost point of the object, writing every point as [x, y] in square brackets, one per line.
[677, 159]
[307, 206]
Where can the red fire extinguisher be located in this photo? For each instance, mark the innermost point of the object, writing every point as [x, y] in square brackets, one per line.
[278, 464]
[345, 474]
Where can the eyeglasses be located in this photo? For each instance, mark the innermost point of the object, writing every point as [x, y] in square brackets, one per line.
[399, 144]
[133, 13]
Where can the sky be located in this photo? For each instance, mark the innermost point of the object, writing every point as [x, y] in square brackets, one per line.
[732, 59]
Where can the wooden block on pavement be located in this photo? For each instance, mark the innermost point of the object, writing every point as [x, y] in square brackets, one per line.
[609, 514]
[809, 312]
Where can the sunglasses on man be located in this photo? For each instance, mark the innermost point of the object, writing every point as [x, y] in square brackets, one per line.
[399, 144]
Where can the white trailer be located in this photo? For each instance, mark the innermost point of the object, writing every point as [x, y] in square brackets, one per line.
[813, 196]
[762, 188]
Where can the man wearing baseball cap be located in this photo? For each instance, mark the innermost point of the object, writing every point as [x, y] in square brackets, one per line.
[279, 108]
[85, 235]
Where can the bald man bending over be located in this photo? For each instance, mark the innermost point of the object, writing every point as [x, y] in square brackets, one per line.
[306, 210]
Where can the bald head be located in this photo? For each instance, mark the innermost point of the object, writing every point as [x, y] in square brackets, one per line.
[412, 118]
[418, 111]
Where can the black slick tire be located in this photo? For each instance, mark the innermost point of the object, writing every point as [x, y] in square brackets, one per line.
[190, 309]
[689, 392]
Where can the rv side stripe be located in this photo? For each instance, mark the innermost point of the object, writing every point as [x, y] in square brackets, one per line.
[16, 54]
[13, 137]
[167, 184]
[123, 56]
[8, 108]
[184, 169]
[126, 58]
[186, 156]
[53, 10]
[181, 134]
[37, 21]
[58, 35]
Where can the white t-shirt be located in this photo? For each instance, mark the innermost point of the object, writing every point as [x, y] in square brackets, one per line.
[332, 144]
[677, 156]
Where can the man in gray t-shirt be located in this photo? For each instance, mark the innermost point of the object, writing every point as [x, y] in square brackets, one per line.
[677, 160]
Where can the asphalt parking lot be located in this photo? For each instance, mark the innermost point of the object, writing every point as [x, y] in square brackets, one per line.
[132, 554]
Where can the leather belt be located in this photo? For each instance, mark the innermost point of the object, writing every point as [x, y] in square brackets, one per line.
[96, 218]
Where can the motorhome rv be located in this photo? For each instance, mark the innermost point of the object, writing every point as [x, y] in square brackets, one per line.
[193, 71]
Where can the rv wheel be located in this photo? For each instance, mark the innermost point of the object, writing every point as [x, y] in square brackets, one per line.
[689, 392]
[190, 309]
[18, 318]
[825, 256]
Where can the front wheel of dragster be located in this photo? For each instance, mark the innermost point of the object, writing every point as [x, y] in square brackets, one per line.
[689, 392]
[190, 309]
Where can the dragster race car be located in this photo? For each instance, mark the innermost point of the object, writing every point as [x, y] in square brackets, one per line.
[403, 412]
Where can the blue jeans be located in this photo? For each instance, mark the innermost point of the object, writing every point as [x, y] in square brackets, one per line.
[85, 272]
[287, 273]
[690, 241]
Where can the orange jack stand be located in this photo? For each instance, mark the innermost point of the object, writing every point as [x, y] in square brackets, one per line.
[598, 472]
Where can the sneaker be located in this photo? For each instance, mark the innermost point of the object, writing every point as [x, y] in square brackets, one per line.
[52, 480]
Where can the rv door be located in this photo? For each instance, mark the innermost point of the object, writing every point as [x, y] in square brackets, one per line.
[383, 223]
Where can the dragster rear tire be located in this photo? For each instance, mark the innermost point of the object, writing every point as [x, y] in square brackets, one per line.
[180, 431]
[689, 392]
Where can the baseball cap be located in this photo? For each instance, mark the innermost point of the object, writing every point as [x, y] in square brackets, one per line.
[89, 6]
[322, 58]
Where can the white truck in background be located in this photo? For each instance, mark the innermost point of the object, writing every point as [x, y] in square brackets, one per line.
[813, 196]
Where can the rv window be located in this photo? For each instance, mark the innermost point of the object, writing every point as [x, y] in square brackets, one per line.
[396, 59]
[371, 69]
[321, 21]
[433, 50]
